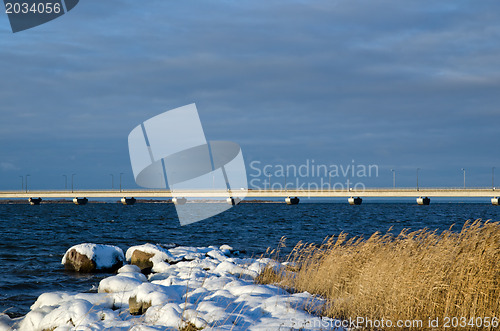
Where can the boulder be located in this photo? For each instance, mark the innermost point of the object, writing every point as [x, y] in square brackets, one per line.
[142, 260]
[87, 258]
[147, 255]
[78, 262]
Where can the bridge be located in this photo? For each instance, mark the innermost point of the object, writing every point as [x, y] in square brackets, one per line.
[291, 196]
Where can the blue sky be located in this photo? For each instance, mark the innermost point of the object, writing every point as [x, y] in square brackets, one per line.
[400, 84]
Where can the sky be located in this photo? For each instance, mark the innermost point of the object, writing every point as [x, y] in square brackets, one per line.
[397, 84]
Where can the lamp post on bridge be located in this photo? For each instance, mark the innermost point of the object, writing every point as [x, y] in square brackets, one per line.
[417, 178]
[121, 173]
[349, 181]
[112, 181]
[269, 175]
[493, 178]
[393, 178]
[72, 180]
[65, 182]
[22, 183]
[464, 177]
[26, 187]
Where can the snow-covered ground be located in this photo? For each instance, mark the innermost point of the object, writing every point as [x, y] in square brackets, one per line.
[207, 287]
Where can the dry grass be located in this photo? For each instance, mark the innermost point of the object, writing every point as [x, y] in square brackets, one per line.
[188, 326]
[414, 275]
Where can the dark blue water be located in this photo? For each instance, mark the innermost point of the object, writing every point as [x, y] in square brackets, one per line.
[33, 239]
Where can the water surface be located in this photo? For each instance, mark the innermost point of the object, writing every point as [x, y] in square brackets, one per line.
[33, 239]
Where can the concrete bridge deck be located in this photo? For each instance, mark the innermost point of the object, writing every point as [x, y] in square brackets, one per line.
[369, 192]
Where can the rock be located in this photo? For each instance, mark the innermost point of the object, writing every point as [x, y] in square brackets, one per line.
[142, 260]
[145, 256]
[87, 258]
[137, 307]
[79, 262]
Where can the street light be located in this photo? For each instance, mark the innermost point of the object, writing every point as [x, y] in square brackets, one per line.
[72, 180]
[112, 181]
[22, 183]
[26, 187]
[493, 178]
[417, 178]
[393, 178]
[349, 181]
[269, 175]
[65, 182]
[464, 177]
[121, 173]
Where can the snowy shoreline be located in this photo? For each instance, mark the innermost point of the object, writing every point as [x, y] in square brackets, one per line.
[203, 287]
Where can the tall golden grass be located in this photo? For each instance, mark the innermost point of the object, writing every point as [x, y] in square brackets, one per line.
[414, 275]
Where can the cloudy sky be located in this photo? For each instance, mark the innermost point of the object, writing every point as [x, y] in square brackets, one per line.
[400, 84]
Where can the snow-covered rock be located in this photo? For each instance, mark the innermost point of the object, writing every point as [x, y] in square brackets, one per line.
[206, 287]
[129, 268]
[93, 257]
[118, 284]
[147, 255]
[65, 310]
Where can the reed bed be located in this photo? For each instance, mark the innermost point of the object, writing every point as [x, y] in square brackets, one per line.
[419, 275]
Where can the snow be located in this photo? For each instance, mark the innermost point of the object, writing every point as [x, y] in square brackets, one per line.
[118, 284]
[157, 294]
[5, 322]
[129, 268]
[62, 309]
[208, 287]
[104, 256]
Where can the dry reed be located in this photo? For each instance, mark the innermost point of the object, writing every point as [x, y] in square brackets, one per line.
[412, 276]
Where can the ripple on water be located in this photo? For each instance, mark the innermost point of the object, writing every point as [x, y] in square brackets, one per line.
[33, 240]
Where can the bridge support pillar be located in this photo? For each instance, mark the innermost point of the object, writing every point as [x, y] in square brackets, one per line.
[179, 201]
[128, 201]
[355, 201]
[292, 201]
[423, 201]
[80, 201]
[495, 201]
[35, 201]
[233, 201]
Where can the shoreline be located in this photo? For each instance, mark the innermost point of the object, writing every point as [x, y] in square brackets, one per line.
[186, 288]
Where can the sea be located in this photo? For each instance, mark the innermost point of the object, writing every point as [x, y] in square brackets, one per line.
[33, 239]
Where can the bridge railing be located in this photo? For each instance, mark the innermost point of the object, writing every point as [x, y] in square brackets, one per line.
[367, 189]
